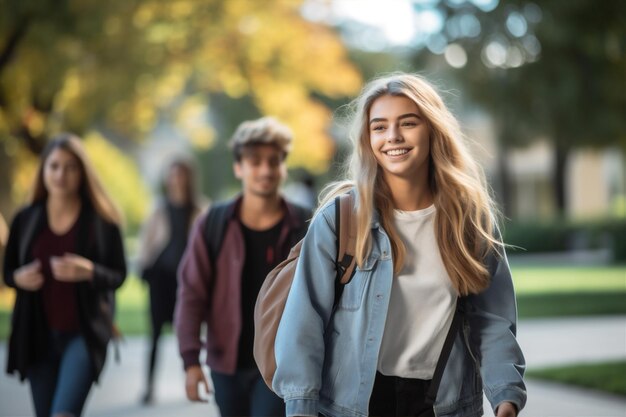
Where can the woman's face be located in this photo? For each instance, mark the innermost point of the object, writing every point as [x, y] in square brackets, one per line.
[177, 184]
[62, 174]
[399, 137]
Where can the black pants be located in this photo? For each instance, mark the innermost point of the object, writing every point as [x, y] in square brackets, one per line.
[163, 288]
[395, 396]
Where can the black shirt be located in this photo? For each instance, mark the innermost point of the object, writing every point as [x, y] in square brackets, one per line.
[179, 217]
[261, 258]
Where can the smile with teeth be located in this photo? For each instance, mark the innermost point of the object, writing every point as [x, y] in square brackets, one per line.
[396, 152]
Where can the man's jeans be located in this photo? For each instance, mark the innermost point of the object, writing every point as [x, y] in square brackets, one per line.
[245, 394]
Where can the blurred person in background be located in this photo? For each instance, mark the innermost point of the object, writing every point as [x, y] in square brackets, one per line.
[258, 229]
[429, 316]
[162, 243]
[65, 258]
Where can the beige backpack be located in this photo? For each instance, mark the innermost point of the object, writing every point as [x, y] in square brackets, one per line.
[272, 297]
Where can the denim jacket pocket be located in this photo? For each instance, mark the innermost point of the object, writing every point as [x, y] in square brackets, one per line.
[352, 295]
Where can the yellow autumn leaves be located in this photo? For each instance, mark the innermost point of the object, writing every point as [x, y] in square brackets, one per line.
[122, 68]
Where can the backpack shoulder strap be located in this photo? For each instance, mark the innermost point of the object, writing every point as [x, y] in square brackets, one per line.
[345, 224]
[215, 228]
[431, 395]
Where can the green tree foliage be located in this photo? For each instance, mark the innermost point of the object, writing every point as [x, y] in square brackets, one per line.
[557, 71]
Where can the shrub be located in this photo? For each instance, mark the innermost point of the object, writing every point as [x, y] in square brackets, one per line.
[562, 235]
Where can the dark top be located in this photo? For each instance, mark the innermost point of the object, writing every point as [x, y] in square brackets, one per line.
[97, 240]
[168, 259]
[261, 258]
[161, 275]
[59, 298]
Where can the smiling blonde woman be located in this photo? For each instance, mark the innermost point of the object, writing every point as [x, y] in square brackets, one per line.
[429, 317]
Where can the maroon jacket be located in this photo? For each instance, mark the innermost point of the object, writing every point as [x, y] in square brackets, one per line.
[216, 300]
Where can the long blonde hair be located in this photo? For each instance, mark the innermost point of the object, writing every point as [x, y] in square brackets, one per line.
[466, 216]
[91, 190]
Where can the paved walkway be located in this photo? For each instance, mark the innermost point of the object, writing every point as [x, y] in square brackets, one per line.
[545, 342]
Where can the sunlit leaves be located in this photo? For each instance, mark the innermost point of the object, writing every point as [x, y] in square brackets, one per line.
[127, 67]
[23, 178]
[192, 120]
[121, 178]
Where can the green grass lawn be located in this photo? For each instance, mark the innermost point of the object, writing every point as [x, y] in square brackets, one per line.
[541, 292]
[540, 280]
[571, 304]
[570, 291]
[605, 376]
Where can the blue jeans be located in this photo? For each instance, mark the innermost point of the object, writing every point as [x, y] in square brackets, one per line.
[245, 394]
[61, 381]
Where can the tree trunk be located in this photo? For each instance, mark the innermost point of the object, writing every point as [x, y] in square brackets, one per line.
[505, 194]
[13, 40]
[35, 144]
[559, 180]
[6, 167]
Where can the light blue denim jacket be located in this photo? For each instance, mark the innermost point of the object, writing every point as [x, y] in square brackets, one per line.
[326, 362]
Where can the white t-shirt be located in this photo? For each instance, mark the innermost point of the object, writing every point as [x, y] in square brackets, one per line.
[422, 301]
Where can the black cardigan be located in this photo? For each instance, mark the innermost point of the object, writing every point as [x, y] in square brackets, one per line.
[96, 299]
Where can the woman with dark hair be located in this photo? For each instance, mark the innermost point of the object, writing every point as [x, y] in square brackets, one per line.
[65, 258]
[163, 241]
